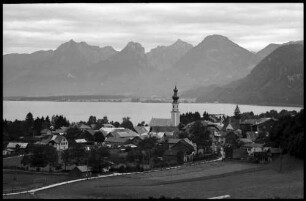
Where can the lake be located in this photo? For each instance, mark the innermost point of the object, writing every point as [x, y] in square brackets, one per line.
[115, 111]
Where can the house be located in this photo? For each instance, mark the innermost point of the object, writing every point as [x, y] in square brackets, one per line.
[252, 135]
[107, 130]
[93, 126]
[108, 126]
[7, 151]
[142, 129]
[59, 142]
[81, 171]
[217, 118]
[91, 131]
[231, 124]
[171, 142]
[84, 127]
[44, 140]
[231, 139]
[274, 152]
[262, 125]
[59, 132]
[115, 142]
[122, 133]
[65, 128]
[45, 132]
[185, 146]
[80, 141]
[134, 140]
[163, 132]
[245, 140]
[205, 123]
[253, 147]
[13, 145]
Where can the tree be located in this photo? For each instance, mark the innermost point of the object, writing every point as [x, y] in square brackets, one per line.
[50, 155]
[17, 129]
[26, 159]
[37, 125]
[126, 123]
[116, 124]
[78, 154]
[197, 116]
[205, 116]
[181, 126]
[147, 145]
[46, 123]
[183, 135]
[37, 158]
[99, 137]
[141, 124]
[135, 155]
[17, 149]
[65, 155]
[200, 135]
[97, 158]
[92, 120]
[73, 133]
[180, 157]
[100, 122]
[159, 150]
[59, 121]
[29, 123]
[237, 113]
[87, 136]
[29, 119]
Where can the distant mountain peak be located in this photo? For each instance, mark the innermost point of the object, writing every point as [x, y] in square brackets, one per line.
[67, 45]
[180, 43]
[134, 46]
[71, 41]
[216, 37]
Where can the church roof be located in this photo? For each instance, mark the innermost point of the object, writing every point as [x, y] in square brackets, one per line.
[164, 129]
[160, 122]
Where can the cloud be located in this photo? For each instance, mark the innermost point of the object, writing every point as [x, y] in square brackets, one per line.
[31, 27]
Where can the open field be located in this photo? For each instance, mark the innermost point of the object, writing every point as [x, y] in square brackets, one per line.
[237, 179]
[12, 161]
[19, 180]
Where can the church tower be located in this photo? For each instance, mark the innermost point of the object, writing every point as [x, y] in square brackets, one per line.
[175, 113]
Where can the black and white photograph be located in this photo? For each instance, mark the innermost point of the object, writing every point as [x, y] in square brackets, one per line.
[146, 100]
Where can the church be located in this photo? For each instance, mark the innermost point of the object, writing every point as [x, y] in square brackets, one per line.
[168, 125]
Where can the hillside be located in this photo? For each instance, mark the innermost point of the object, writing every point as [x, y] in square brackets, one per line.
[276, 80]
[164, 57]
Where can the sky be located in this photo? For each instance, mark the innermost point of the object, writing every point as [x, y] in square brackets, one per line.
[31, 27]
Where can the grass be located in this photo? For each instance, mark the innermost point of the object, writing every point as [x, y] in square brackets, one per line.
[237, 179]
[15, 181]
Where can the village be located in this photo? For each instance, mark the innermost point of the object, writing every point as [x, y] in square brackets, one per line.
[84, 149]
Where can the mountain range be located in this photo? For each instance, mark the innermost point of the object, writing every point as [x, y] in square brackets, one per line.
[277, 80]
[81, 69]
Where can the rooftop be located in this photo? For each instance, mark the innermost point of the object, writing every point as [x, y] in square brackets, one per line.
[160, 122]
